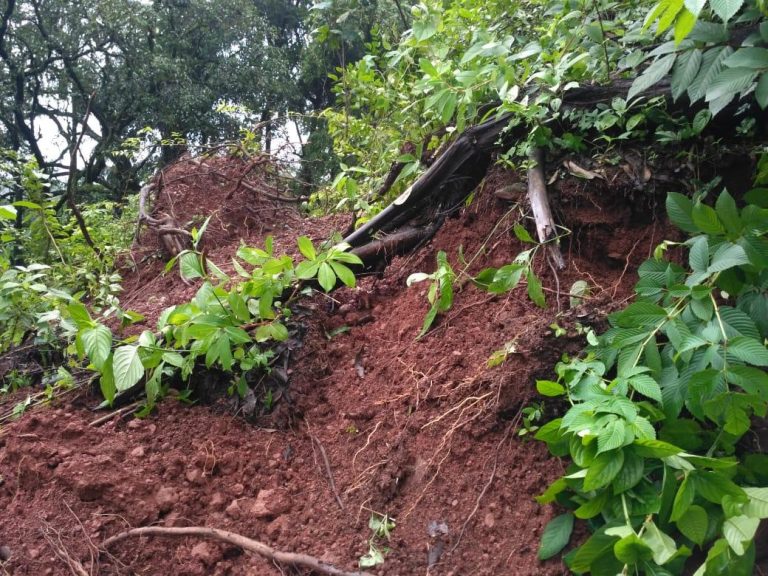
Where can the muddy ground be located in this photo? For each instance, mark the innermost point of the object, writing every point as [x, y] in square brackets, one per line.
[372, 420]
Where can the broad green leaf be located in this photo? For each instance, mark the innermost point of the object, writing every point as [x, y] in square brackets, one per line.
[127, 367]
[655, 448]
[631, 472]
[549, 495]
[706, 219]
[97, 342]
[730, 82]
[728, 212]
[683, 499]
[647, 386]
[593, 507]
[725, 9]
[8, 212]
[748, 57]
[107, 381]
[662, 545]
[189, 266]
[612, 436]
[306, 248]
[522, 234]
[679, 209]
[344, 273]
[757, 507]
[739, 532]
[761, 92]
[727, 256]
[549, 388]
[693, 524]
[597, 546]
[749, 350]
[506, 278]
[711, 65]
[631, 550]
[695, 6]
[684, 23]
[641, 313]
[686, 68]
[652, 75]
[603, 470]
[713, 486]
[556, 535]
[326, 277]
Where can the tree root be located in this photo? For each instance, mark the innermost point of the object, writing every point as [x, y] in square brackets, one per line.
[247, 544]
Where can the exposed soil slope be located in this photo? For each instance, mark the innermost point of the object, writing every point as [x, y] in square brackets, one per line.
[421, 430]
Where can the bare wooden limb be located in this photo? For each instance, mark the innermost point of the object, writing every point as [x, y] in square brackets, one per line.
[537, 194]
[248, 544]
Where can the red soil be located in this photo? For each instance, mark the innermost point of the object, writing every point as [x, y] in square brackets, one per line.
[420, 430]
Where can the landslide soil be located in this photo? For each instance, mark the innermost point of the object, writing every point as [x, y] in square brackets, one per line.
[374, 420]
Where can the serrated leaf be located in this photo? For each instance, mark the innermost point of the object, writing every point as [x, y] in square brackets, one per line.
[679, 209]
[686, 68]
[693, 524]
[556, 535]
[725, 9]
[126, 367]
[604, 468]
[729, 83]
[711, 65]
[706, 219]
[631, 472]
[748, 57]
[739, 532]
[653, 74]
[631, 550]
[97, 342]
[598, 546]
[611, 436]
[662, 545]
[655, 448]
[647, 386]
[701, 120]
[749, 350]
[727, 256]
[728, 212]
[695, 6]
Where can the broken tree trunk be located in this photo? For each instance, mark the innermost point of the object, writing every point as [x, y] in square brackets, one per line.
[542, 215]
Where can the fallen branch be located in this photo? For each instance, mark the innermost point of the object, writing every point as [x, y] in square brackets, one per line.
[247, 544]
[537, 194]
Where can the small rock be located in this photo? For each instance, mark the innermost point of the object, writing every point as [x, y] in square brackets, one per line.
[193, 476]
[206, 553]
[217, 500]
[64, 452]
[135, 424]
[270, 503]
[236, 489]
[5, 553]
[455, 503]
[71, 431]
[233, 510]
[165, 498]
[489, 521]
[34, 553]
[137, 452]
[278, 526]
[151, 429]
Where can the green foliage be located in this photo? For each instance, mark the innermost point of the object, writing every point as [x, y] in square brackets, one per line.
[381, 530]
[659, 402]
[230, 329]
[440, 293]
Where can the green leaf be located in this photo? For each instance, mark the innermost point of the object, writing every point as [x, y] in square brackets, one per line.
[711, 65]
[739, 532]
[631, 550]
[662, 545]
[761, 92]
[706, 219]
[306, 248]
[189, 266]
[653, 74]
[549, 388]
[757, 507]
[631, 473]
[604, 468]
[683, 499]
[693, 524]
[8, 212]
[611, 436]
[522, 234]
[728, 212]
[679, 209]
[326, 277]
[749, 350]
[655, 448]
[107, 381]
[727, 256]
[127, 367]
[686, 68]
[535, 293]
[598, 546]
[98, 345]
[556, 535]
[684, 23]
[725, 9]
[647, 386]
[730, 82]
[506, 278]
[593, 506]
[695, 6]
[344, 273]
[307, 269]
[748, 57]
[713, 486]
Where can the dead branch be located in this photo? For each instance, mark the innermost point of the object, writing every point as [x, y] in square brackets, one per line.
[172, 236]
[537, 194]
[247, 544]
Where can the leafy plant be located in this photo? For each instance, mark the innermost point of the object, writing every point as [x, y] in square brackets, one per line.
[661, 403]
[440, 293]
[531, 415]
[381, 529]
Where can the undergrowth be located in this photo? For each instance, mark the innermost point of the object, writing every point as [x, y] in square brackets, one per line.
[659, 425]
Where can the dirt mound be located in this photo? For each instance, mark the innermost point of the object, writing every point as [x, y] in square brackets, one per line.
[423, 431]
